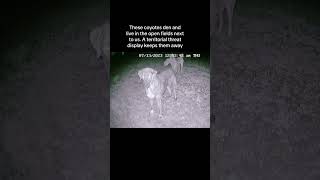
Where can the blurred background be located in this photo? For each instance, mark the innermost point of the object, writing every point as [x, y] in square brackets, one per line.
[53, 104]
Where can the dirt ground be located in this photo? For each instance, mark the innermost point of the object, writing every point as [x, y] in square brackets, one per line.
[130, 106]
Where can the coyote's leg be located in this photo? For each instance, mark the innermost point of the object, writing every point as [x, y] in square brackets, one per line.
[173, 85]
[159, 106]
[169, 90]
[176, 67]
[151, 104]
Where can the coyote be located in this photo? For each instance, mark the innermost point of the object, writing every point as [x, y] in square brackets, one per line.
[217, 8]
[156, 83]
[99, 38]
[176, 63]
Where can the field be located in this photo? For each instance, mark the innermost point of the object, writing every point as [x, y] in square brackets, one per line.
[130, 106]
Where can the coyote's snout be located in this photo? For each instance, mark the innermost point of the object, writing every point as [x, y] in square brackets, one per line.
[217, 8]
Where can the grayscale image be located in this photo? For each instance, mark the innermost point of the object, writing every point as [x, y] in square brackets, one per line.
[99, 41]
[265, 89]
[265, 86]
[53, 91]
[221, 13]
[159, 92]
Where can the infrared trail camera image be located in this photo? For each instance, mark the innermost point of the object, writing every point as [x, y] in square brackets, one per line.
[53, 92]
[160, 91]
[265, 89]
[264, 76]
